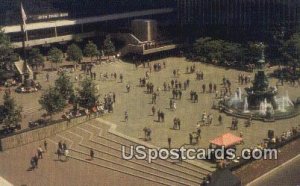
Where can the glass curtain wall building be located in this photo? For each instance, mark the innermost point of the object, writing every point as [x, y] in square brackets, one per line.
[256, 16]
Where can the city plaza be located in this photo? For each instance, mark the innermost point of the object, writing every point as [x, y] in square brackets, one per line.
[137, 103]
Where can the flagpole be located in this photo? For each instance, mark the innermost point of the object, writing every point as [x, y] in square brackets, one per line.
[25, 38]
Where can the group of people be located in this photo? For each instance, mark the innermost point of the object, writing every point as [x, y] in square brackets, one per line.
[176, 93]
[109, 100]
[150, 88]
[176, 73]
[147, 132]
[113, 76]
[160, 116]
[207, 118]
[62, 150]
[157, 67]
[212, 88]
[195, 136]
[194, 96]
[35, 159]
[191, 69]
[176, 123]
[199, 75]
[244, 79]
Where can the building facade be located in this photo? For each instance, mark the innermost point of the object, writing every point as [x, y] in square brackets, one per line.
[52, 21]
[237, 15]
[10, 9]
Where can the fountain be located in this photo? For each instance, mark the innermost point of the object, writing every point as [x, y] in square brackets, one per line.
[246, 106]
[260, 100]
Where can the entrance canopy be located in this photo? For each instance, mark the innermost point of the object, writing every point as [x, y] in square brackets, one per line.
[226, 140]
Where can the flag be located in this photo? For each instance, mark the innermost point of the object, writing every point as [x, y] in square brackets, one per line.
[24, 17]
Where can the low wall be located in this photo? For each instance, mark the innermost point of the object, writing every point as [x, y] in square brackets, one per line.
[31, 135]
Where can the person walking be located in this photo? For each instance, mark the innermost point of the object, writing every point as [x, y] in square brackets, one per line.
[220, 119]
[36, 161]
[60, 145]
[153, 110]
[121, 78]
[45, 145]
[126, 116]
[64, 146]
[40, 152]
[32, 163]
[92, 154]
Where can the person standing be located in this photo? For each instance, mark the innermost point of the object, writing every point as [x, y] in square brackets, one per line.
[191, 138]
[114, 97]
[169, 142]
[47, 77]
[178, 123]
[121, 78]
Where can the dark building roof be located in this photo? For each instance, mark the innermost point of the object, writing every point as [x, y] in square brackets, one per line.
[224, 177]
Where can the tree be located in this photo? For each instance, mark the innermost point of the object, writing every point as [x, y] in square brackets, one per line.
[88, 94]
[233, 52]
[7, 54]
[10, 113]
[74, 53]
[291, 50]
[253, 53]
[64, 86]
[35, 58]
[108, 46]
[52, 101]
[55, 55]
[207, 49]
[91, 50]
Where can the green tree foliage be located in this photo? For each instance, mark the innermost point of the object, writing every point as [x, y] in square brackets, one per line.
[64, 86]
[74, 53]
[55, 55]
[207, 49]
[220, 51]
[52, 101]
[88, 94]
[10, 113]
[35, 58]
[91, 50]
[291, 50]
[108, 46]
[7, 54]
[233, 52]
[253, 52]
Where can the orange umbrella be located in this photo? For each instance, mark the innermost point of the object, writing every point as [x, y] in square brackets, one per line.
[226, 140]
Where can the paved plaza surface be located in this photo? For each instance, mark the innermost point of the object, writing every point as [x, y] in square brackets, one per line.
[286, 174]
[107, 167]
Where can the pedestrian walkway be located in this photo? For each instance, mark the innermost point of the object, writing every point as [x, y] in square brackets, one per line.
[4, 182]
